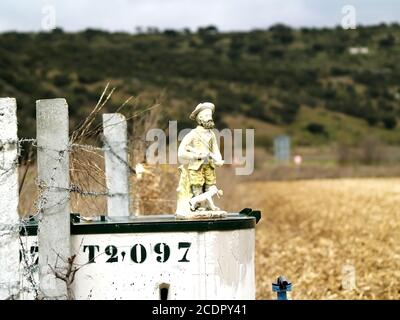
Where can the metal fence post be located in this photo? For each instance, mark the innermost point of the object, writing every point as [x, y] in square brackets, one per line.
[281, 287]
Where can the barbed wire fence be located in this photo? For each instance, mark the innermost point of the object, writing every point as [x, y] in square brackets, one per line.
[24, 275]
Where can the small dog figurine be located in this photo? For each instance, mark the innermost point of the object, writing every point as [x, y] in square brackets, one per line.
[206, 196]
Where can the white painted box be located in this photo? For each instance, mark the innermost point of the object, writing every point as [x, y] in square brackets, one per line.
[159, 257]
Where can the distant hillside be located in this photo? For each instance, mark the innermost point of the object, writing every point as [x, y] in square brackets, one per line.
[306, 82]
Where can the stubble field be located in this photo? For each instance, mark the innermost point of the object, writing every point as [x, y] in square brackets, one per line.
[334, 239]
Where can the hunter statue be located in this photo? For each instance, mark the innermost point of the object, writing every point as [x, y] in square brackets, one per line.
[199, 155]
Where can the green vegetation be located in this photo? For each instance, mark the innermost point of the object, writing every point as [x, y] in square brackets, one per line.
[304, 82]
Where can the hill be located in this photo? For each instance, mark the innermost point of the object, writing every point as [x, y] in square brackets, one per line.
[307, 82]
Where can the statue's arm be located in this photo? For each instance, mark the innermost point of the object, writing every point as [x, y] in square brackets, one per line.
[186, 152]
[217, 157]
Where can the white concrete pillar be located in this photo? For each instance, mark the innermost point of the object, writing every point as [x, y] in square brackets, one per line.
[53, 202]
[9, 219]
[116, 164]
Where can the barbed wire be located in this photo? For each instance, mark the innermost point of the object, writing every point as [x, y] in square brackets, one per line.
[73, 188]
[9, 231]
[86, 147]
[29, 266]
[109, 147]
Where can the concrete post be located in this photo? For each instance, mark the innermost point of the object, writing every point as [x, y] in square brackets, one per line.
[9, 219]
[54, 206]
[116, 164]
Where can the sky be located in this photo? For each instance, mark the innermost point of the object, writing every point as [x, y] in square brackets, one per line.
[227, 15]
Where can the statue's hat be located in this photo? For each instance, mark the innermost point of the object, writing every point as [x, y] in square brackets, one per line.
[200, 107]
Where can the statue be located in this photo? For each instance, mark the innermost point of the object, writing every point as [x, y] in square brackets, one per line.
[200, 155]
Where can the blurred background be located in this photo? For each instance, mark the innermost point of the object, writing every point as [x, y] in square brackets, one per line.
[318, 81]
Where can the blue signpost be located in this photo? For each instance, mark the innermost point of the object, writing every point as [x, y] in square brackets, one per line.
[282, 286]
[282, 148]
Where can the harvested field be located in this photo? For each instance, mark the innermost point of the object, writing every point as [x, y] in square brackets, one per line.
[316, 232]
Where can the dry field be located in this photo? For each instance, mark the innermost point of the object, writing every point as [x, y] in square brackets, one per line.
[314, 232]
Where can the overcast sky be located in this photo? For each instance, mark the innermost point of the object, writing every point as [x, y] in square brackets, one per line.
[125, 15]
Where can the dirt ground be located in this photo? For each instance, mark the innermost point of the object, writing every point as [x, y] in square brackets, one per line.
[334, 239]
